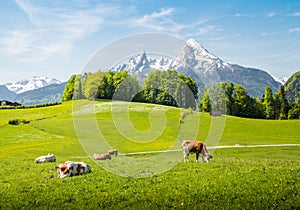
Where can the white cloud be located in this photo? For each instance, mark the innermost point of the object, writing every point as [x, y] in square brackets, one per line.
[207, 29]
[16, 42]
[271, 14]
[161, 21]
[55, 29]
[295, 14]
[242, 15]
[154, 21]
[294, 30]
[220, 38]
[269, 34]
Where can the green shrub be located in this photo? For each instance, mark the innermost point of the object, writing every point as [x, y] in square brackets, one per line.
[18, 121]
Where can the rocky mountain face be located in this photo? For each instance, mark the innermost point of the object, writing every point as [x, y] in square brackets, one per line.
[48, 94]
[204, 67]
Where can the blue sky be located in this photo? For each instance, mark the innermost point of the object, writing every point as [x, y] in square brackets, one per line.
[56, 38]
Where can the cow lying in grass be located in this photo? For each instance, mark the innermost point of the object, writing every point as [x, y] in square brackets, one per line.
[47, 158]
[113, 152]
[102, 157]
[191, 146]
[70, 168]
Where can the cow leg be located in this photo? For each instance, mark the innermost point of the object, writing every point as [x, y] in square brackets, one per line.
[197, 156]
[185, 154]
[202, 158]
[185, 157]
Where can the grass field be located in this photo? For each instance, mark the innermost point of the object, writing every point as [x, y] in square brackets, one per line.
[237, 178]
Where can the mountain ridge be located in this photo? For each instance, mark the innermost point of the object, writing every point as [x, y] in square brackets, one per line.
[37, 90]
[36, 82]
[196, 61]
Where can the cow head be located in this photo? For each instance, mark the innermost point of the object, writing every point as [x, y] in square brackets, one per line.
[208, 157]
[63, 170]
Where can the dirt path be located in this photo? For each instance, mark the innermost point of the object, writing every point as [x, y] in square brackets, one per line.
[211, 147]
[216, 147]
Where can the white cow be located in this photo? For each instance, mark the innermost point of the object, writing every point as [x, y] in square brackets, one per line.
[47, 158]
[102, 156]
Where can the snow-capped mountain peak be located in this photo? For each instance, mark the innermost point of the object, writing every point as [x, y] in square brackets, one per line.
[31, 84]
[193, 43]
[198, 50]
[193, 56]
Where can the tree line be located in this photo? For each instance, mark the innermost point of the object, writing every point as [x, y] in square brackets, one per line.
[173, 89]
[159, 87]
[234, 100]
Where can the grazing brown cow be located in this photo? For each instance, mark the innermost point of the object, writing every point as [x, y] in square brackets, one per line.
[191, 146]
[47, 158]
[70, 168]
[113, 152]
[102, 156]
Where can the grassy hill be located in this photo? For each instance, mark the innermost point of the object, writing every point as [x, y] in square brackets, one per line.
[235, 178]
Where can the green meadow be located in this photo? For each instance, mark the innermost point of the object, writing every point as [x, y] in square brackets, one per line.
[236, 178]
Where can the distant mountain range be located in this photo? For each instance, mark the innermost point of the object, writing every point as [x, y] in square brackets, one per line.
[30, 84]
[193, 59]
[37, 90]
[204, 67]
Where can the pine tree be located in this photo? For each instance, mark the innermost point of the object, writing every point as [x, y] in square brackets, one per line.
[269, 103]
[78, 94]
[294, 112]
[281, 104]
[229, 90]
[241, 102]
[205, 105]
[217, 98]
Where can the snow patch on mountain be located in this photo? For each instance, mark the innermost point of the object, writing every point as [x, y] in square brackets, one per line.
[281, 80]
[31, 84]
[192, 56]
[141, 64]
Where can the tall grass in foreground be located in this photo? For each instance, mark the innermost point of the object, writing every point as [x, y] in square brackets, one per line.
[232, 181]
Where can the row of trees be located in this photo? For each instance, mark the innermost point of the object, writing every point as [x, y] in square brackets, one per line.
[234, 100]
[173, 89]
[160, 87]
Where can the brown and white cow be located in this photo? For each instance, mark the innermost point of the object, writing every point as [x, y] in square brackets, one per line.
[192, 146]
[113, 152]
[102, 157]
[47, 158]
[70, 168]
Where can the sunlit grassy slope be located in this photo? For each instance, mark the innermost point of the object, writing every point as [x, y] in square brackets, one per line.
[238, 178]
[51, 129]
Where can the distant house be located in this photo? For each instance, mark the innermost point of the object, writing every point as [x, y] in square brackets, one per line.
[215, 113]
[8, 103]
